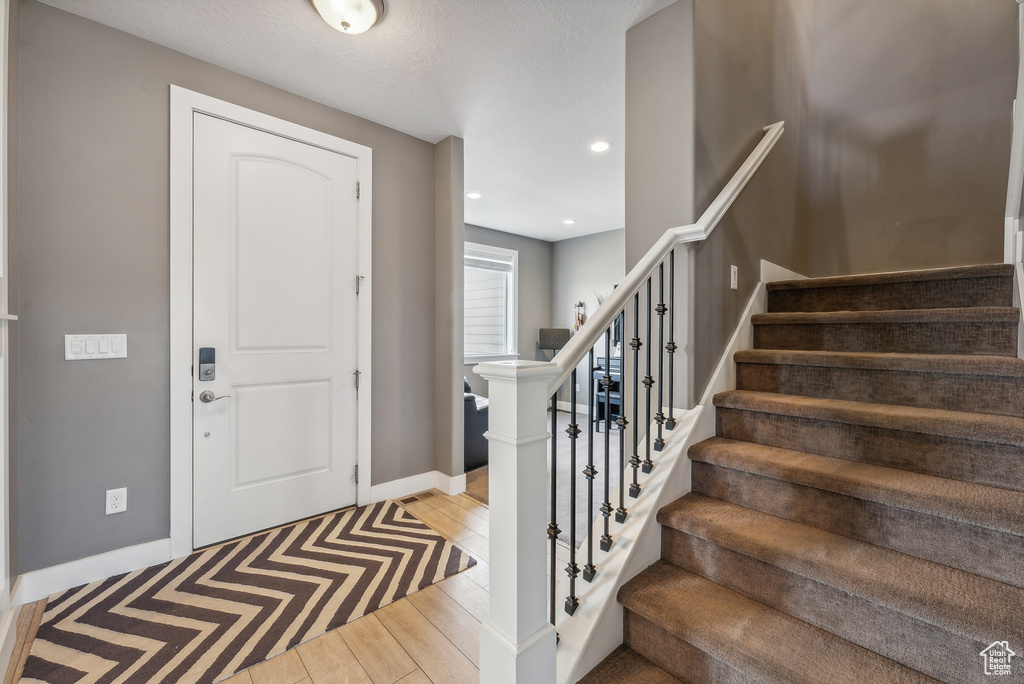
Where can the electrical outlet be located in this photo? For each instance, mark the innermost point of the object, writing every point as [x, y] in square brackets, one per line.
[734, 277]
[117, 500]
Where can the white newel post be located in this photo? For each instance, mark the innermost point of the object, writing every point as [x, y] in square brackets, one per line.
[517, 643]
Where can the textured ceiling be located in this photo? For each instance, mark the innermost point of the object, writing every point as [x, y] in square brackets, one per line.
[528, 84]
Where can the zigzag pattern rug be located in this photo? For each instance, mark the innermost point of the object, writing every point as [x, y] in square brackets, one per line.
[206, 616]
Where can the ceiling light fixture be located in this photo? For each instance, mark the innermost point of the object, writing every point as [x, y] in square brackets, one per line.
[473, 195]
[351, 16]
[569, 222]
[601, 146]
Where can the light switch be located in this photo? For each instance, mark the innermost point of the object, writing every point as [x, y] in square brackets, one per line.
[84, 347]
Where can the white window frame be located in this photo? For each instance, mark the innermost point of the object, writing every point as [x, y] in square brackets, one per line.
[513, 309]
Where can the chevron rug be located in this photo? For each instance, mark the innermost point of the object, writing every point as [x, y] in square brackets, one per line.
[206, 616]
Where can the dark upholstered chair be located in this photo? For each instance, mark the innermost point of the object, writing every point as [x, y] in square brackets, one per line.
[475, 447]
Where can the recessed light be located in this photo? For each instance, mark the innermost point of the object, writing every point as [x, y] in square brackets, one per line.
[569, 222]
[473, 195]
[601, 146]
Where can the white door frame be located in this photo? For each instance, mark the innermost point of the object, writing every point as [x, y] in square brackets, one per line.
[184, 103]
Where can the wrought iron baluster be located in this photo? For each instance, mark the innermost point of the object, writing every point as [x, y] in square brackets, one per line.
[659, 418]
[606, 384]
[635, 344]
[553, 530]
[670, 423]
[621, 512]
[573, 570]
[648, 464]
[590, 570]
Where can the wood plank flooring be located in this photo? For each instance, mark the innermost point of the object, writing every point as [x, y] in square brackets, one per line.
[429, 637]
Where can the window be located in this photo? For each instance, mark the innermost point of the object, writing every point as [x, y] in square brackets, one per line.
[490, 303]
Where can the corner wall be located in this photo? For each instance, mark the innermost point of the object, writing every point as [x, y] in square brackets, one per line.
[94, 258]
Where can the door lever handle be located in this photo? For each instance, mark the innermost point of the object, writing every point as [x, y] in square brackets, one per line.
[207, 397]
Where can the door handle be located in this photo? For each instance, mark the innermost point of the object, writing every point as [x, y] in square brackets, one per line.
[208, 398]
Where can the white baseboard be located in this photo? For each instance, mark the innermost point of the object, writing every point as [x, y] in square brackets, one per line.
[413, 484]
[771, 273]
[38, 584]
[581, 409]
[9, 635]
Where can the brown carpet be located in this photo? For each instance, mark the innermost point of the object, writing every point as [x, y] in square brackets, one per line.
[224, 609]
[859, 516]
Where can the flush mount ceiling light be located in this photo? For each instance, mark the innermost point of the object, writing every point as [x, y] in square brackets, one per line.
[569, 222]
[350, 16]
[473, 195]
[601, 146]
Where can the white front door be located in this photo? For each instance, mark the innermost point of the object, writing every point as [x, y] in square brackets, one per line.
[274, 264]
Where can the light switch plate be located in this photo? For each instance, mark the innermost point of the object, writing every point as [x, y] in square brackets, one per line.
[83, 347]
[734, 277]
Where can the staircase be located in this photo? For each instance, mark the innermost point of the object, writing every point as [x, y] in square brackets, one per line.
[859, 516]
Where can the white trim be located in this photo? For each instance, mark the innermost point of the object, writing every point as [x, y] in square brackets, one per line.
[414, 484]
[38, 584]
[595, 630]
[772, 273]
[184, 103]
[488, 358]
[9, 635]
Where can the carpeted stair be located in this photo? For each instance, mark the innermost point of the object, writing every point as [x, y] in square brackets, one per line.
[859, 516]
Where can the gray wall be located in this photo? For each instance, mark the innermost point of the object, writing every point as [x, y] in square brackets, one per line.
[748, 73]
[535, 263]
[94, 258]
[910, 132]
[584, 266]
[14, 328]
[659, 127]
[449, 331]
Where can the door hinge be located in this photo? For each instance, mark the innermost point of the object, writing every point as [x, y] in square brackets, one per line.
[359, 283]
[357, 189]
[357, 374]
[357, 474]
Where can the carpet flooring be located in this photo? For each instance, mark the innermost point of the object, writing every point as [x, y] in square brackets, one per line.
[477, 481]
[862, 496]
[223, 609]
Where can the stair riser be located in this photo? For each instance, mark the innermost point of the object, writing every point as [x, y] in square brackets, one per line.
[994, 339]
[996, 465]
[887, 632]
[974, 549]
[674, 655]
[995, 395]
[932, 294]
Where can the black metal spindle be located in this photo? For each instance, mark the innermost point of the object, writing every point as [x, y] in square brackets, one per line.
[648, 464]
[573, 570]
[621, 512]
[670, 423]
[635, 344]
[606, 384]
[553, 530]
[659, 418]
[590, 570]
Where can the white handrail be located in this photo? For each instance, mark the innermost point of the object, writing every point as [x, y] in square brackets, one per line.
[1015, 181]
[584, 340]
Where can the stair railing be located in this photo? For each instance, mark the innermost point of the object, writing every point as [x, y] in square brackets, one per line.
[1013, 244]
[518, 641]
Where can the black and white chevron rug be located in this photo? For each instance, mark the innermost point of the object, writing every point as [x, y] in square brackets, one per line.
[206, 616]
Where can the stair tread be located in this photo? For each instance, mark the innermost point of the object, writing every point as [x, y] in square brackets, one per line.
[965, 502]
[978, 314]
[956, 272]
[763, 643]
[626, 666]
[952, 599]
[978, 427]
[947, 364]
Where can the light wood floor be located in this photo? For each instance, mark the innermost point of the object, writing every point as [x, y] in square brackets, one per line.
[429, 637]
